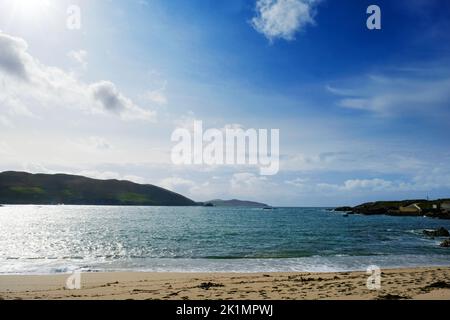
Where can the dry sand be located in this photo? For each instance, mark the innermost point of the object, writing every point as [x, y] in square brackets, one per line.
[418, 283]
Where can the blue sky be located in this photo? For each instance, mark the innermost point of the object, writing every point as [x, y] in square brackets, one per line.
[363, 115]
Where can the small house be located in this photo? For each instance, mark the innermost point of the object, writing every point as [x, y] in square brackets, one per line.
[413, 208]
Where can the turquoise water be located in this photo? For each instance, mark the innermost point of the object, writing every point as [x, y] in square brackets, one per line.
[49, 239]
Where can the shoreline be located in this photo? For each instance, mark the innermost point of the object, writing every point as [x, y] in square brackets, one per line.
[310, 264]
[402, 283]
[194, 272]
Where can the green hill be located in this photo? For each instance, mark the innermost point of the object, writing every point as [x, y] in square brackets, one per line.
[26, 188]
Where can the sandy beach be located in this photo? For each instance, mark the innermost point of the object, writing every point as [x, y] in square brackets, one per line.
[417, 283]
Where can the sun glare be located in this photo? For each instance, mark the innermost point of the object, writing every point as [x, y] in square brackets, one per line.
[31, 8]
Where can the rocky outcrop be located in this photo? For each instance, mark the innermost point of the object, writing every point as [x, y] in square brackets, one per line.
[445, 243]
[441, 232]
[208, 205]
[404, 208]
[382, 207]
[344, 209]
[444, 214]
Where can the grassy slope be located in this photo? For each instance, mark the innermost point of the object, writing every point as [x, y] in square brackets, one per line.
[25, 188]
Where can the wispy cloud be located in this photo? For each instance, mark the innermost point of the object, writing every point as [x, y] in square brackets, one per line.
[283, 18]
[250, 185]
[92, 144]
[4, 121]
[30, 84]
[413, 90]
[179, 184]
[108, 175]
[158, 96]
[79, 56]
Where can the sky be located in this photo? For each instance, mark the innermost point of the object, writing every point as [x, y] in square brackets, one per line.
[363, 114]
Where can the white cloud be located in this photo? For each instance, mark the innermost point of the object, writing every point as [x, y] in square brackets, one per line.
[27, 84]
[5, 149]
[200, 191]
[298, 182]
[4, 121]
[243, 185]
[13, 106]
[357, 186]
[36, 167]
[158, 96]
[349, 186]
[177, 183]
[435, 177]
[415, 90]
[79, 56]
[157, 88]
[248, 184]
[91, 144]
[405, 160]
[99, 143]
[186, 121]
[283, 18]
[13, 56]
[109, 175]
[110, 99]
[371, 184]
[426, 181]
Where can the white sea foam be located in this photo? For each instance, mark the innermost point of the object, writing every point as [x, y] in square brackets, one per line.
[307, 264]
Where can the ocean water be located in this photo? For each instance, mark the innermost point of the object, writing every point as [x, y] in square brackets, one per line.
[52, 239]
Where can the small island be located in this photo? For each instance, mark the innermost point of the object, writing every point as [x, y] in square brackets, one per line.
[235, 203]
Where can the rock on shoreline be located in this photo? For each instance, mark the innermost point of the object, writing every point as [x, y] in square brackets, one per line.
[441, 232]
[445, 243]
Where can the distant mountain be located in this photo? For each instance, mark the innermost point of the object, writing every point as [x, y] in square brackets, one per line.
[26, 188]
[235, 203]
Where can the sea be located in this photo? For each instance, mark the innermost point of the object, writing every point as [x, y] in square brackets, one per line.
[62, 239]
